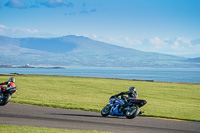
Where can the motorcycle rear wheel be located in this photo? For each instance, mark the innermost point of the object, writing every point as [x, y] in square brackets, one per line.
[5, 99]
[132, 112]
[106, 110]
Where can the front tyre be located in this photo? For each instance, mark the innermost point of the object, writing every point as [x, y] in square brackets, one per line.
[5, 99]
[132, 112]
[106, 110]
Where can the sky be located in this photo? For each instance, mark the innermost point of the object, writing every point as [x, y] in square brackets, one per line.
[161, 26]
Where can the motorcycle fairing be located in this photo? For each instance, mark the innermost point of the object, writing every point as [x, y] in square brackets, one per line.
[115, 111]
[115, 103]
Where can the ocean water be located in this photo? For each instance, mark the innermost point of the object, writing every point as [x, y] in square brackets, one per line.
[191, 75]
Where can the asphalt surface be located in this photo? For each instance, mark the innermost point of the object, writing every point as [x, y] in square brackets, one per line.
[36, 116]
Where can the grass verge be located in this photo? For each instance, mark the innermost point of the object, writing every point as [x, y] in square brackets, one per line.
[167, 100]
[27, 129]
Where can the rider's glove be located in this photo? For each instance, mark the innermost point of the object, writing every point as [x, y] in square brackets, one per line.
[115, 96]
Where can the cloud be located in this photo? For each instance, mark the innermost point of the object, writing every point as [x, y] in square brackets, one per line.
[81, 12]
[158, 43]
[175, 46]
[32, 31]
[56, 3]
[36, 4]
[15, 4]
[179, 46]
[18, 32]
[88, 11]
[94, 36]
[70, 13]
[132, 41]
[184, 40]
[181, 42]
[3, 27]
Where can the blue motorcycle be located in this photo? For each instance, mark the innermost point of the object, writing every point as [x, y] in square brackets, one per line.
[130, 111]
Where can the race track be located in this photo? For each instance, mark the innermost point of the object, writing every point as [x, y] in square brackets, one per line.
[29, 115]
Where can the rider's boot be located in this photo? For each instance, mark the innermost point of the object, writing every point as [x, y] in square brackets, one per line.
[141, 112]
[122, 107]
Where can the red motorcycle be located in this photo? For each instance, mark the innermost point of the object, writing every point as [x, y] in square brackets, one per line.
[5, 94]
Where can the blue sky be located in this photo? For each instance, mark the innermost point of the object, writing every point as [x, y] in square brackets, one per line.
[163, 26]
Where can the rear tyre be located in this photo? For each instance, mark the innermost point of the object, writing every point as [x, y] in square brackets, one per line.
[106, 110]
[132, 112]
[5, 99]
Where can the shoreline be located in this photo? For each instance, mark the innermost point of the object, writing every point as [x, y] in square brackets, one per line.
[50, 67]
[142, 80]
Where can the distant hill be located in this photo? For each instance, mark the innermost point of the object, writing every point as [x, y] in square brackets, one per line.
[81, 51]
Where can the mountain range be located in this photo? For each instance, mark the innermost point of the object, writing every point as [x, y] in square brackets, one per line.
[81, 51]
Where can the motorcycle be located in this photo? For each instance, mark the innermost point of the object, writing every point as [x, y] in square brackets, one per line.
[5, 94]
[130, 111]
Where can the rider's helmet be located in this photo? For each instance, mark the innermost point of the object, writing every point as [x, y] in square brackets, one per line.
[11, 80]
[132, 89]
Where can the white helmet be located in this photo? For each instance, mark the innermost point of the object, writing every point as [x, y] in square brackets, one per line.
[11, 80]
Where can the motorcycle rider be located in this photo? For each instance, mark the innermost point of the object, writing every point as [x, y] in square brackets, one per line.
[132, 93]
[9, 83]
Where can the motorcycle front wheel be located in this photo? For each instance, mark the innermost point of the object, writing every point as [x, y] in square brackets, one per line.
[5, 99]
[106, 110]
[132, 112]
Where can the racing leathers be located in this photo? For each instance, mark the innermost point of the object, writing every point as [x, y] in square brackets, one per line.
[9, 84]
[131, 95]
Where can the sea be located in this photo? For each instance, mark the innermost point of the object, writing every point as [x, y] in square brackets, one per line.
[189, 75]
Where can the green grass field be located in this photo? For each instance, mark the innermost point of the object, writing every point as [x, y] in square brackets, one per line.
[167, 100]
[26, 129]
